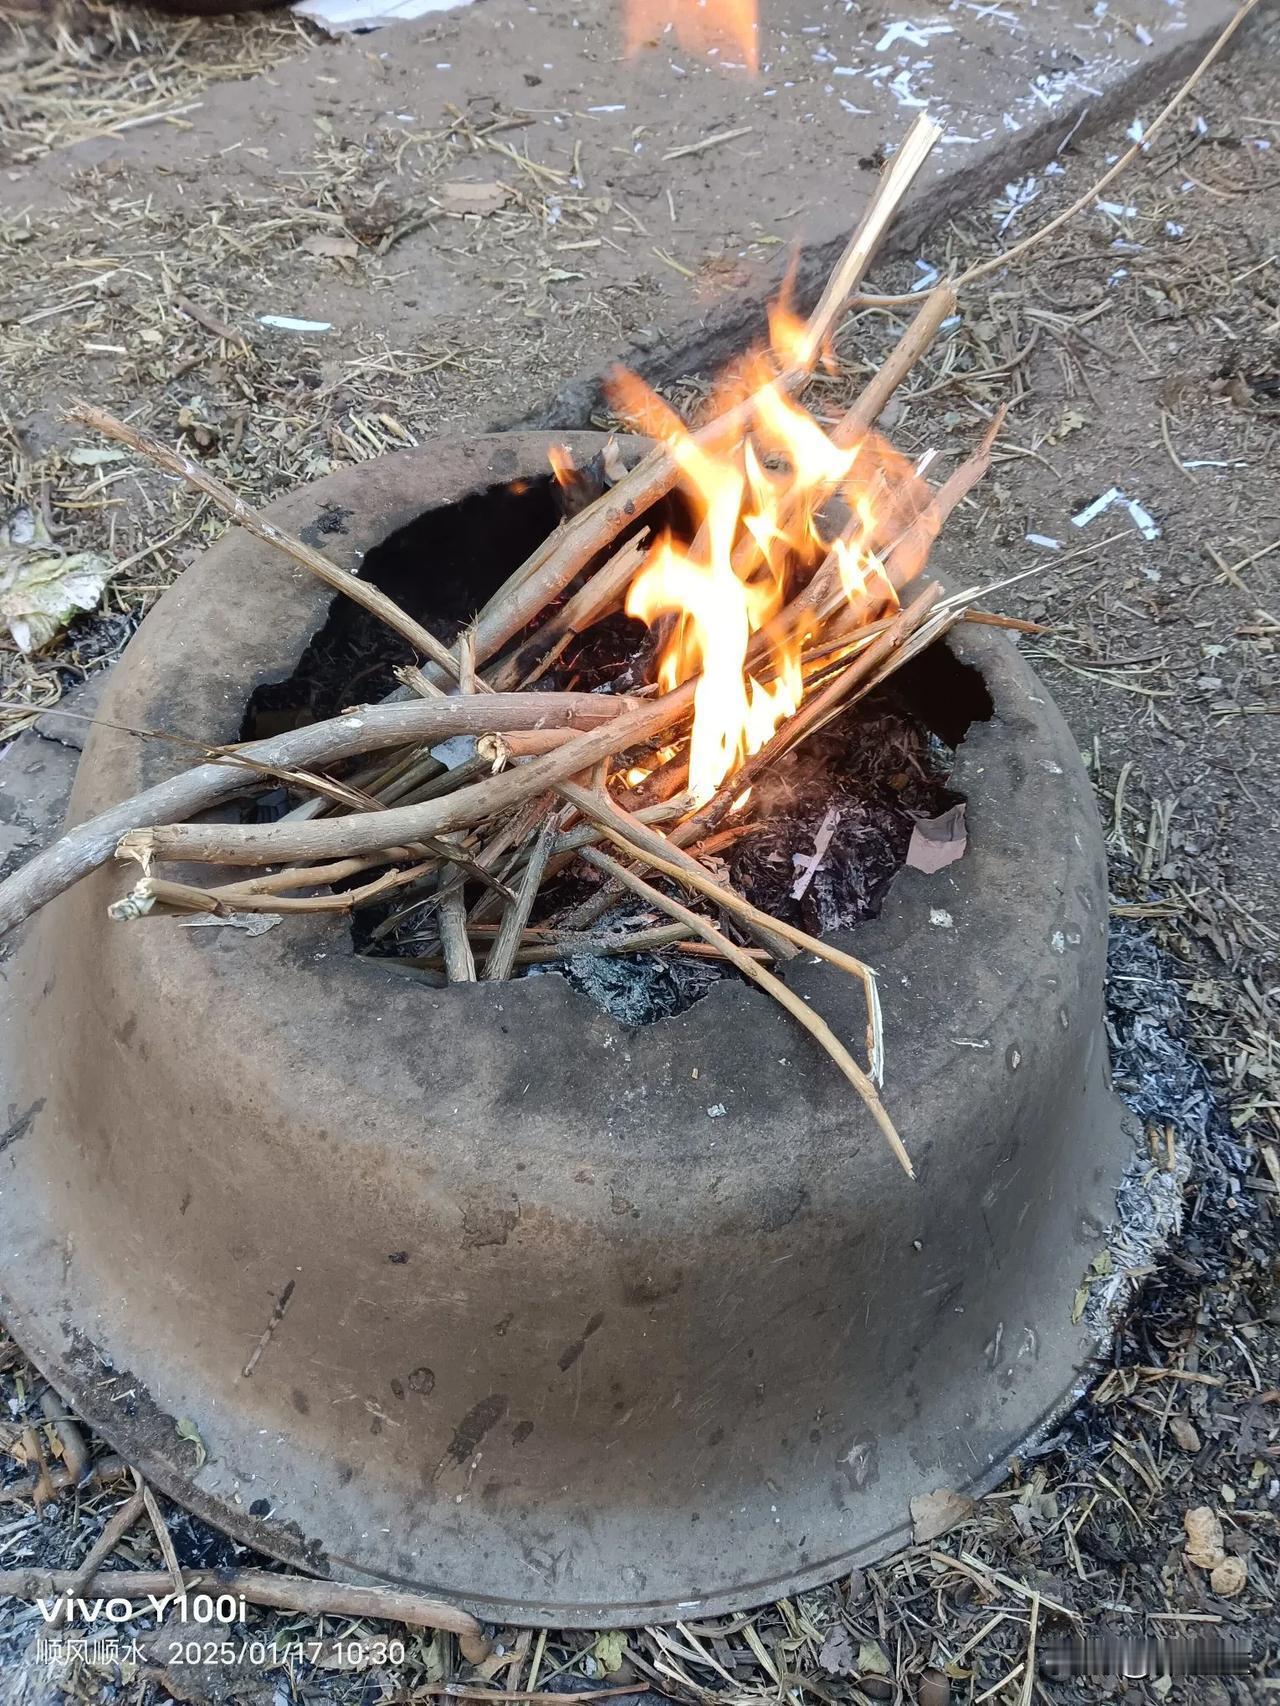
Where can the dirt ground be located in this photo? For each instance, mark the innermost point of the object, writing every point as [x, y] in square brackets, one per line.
[1138, 350]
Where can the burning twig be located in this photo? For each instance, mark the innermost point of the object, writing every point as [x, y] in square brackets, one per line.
[546, 574]
[862, 672]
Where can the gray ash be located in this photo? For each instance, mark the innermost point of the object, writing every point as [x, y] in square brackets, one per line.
[869, 778]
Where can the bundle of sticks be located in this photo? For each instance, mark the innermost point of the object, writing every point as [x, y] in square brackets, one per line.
[379, 815]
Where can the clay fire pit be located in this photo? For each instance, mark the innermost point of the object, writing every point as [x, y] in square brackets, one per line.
[477, 1291]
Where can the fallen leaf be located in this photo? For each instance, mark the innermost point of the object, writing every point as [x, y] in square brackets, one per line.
[937, 842]
[1204, 1538]
[332, 248]
[188, 1430]
[1228, 1578]
[473, 198]
[871, 1661]
[252, 923]
[937, 1513]
[836, 1656]
[41, 587]
[608, 1649]
[1184, 1434]
[89, 456]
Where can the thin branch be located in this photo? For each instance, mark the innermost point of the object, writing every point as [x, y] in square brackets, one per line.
[983, 269]
[349, 837]
[92, 843]
[235, 509]
[502, 954]
[816, 1026]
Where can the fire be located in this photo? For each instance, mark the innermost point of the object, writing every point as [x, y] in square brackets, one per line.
[701, 26]
[721, 605]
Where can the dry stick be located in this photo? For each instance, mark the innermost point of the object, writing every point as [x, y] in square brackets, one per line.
[694, 876]
[983, 269]
[187, 897]
[164, 1540]
[499, 750]
[459, 961]
[91, 844]
[75, 1453]
[77, 1581]
[551, 568]
[799, 1010]
[107, 1468]
[466, 662]
[410, 676]
[349, 837]
[235, 508]
[259, 1587]
[597, 598]
[852, 265]
[598, 806]
[324, 876]
[502, 954]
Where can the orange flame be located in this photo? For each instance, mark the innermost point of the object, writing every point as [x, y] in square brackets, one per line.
[721, 604]
[707, 27]
[562, 464]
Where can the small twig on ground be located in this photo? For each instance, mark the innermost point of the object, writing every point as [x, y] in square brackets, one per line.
[114, 1531]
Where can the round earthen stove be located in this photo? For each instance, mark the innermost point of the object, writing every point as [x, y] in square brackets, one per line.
[477, 1291]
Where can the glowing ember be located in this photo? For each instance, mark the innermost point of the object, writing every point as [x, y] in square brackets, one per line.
[723, 605]
[701, 26]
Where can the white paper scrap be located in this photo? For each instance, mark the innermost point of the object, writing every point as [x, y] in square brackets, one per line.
[286, 323]
[1141, 517]
[356, 15]
[917, 34]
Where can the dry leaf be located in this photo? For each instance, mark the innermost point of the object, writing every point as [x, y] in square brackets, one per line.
[871, 1660]
[610, 1648]
[836, 1656]
[187, 1429]
[1184, 1434]
[1227, 1579]
[937, 842]
[90, 456]
[473, 198]
[41, 587]
[1204, 1538]
[935, 1514]
[332, 248]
